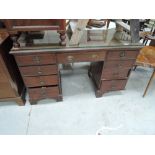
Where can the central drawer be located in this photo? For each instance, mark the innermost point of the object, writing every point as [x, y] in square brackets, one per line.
[81, 57]
[35, 59]
[38, 70]
[43, 92]
[41, 81]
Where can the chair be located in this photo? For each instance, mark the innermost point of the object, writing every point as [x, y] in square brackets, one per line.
[146, 58]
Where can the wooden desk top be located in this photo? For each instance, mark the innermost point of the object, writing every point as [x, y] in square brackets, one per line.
[50, 42]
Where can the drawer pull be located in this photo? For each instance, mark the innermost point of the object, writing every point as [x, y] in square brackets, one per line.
[122, 54]
[94, 56]
[70, 58]
[43, 92]
[36, 59]
[42, 82]
[39, 72]
[120, 65]
[115, 74]
[113, 88]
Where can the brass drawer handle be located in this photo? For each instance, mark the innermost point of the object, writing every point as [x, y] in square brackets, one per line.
[115, 74]
[120, 65]
[94, 56]
[122, 54]
[70, 58]
[42, 82]
[43, 92]
[39, 72]
[36, 59]
[113, 88]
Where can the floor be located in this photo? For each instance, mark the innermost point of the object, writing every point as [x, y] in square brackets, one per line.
[81, 113]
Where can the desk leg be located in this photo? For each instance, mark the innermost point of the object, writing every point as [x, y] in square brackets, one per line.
[33, 102]
[151, 78]
[98, 93]
[59, 99]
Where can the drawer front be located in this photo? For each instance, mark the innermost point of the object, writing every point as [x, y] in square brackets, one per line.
[119, 64]
[41, 81]
[43, 92]
[81, 57]
[122, 55]
[38, 70]
[112, 85]
[37, 59]
[115, 73]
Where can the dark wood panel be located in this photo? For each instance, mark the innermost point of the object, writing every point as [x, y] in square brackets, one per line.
[95, 72]
[37, 59]
[41, 81]
[38, 70]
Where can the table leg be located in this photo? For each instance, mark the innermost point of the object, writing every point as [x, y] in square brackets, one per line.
[151, 78]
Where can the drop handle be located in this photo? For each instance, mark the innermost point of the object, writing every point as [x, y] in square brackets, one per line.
[120, 65]
[122, 54]
[43, 91]
[113, 88]
[42, 82]
[94, 56]
[70, 58]
[36, 59]
[39, 72]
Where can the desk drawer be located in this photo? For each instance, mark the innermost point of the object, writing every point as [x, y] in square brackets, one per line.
[114, 73]
[81, 57]
[43, 92]
[38, 70]
[41, 81]
[112, 85]
[122, 55]
[37, 59]
[119, 64]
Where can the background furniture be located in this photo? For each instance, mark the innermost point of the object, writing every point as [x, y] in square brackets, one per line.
[15, 26]
[146, 58]
[11, 83]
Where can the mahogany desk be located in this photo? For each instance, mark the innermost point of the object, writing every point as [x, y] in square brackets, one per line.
[111, 63]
